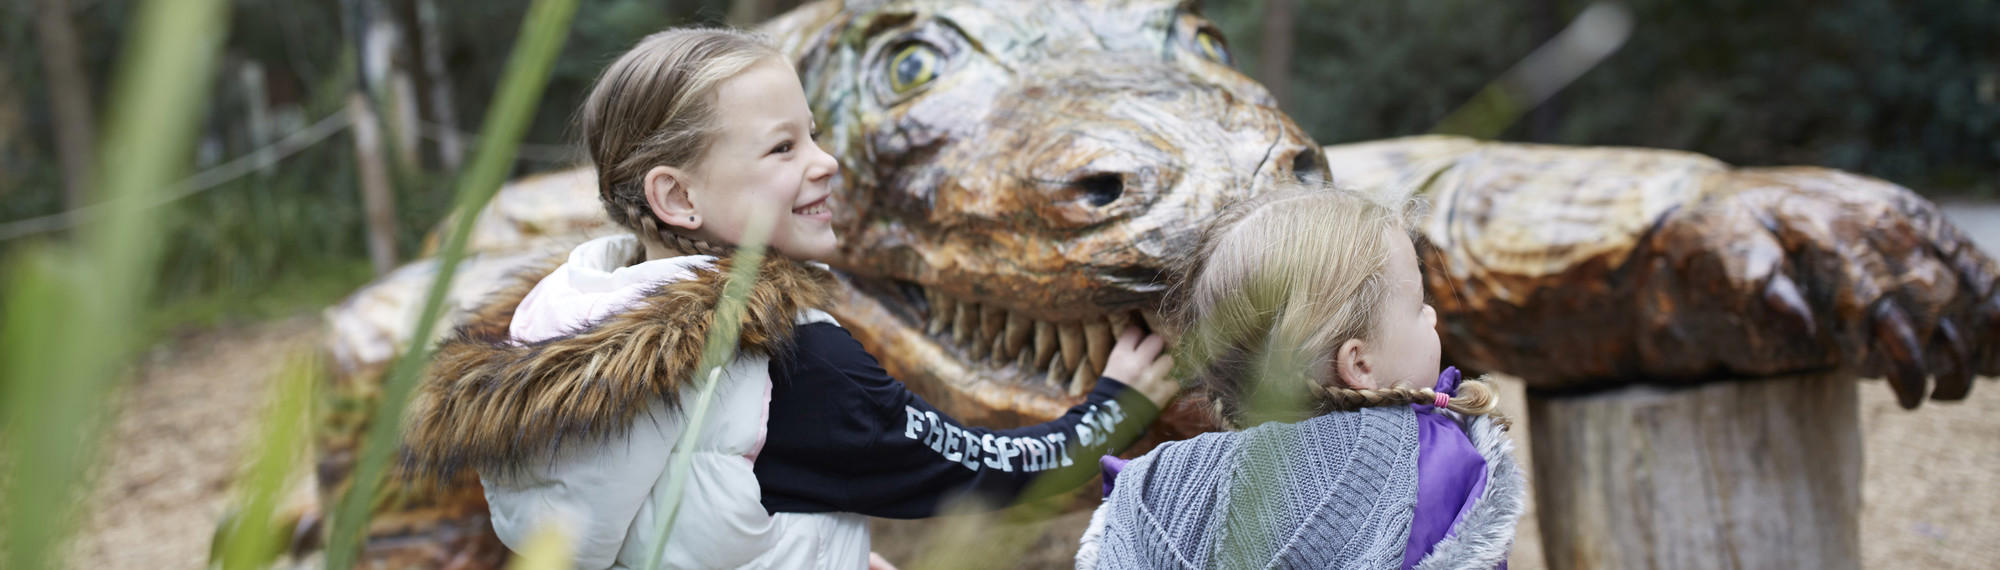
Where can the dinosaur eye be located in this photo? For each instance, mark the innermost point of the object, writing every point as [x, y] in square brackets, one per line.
[1211, 46]
[913, 66]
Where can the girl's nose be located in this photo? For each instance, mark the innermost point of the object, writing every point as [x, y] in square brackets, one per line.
[823, 165]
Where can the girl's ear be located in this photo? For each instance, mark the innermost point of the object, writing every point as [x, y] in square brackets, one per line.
[1351, 368]
[671, 197]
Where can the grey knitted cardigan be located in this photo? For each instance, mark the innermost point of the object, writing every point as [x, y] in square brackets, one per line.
[1335, 491]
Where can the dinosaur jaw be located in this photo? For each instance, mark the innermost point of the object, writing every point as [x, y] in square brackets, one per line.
[984, 362]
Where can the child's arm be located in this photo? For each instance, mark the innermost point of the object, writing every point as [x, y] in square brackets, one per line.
[844, 436]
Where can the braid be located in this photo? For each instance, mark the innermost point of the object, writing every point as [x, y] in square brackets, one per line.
[1475, 398]
[650, 233]
[684, 244]
[649, 227]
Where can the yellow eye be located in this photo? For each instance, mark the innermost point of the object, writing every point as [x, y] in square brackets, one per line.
[915, 65]
[1211, 47]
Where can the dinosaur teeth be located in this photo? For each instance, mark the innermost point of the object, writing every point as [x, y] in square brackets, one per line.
[1071, 336]
[964, 319]
[1055, 377]
[1045, 343]
[1014, 336]
[1071, 355]
[996, 351]
[991, 320]
[1097, 338]
[1078, 382]
[941, 308]
[1118, 322]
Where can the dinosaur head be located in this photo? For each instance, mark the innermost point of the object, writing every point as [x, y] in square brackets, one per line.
[1019, 178]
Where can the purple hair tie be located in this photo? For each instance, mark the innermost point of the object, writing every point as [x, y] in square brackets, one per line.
[1447, 386]
[1448, 380]
[1112, 465]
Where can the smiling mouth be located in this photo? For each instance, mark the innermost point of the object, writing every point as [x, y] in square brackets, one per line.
[818, 207]
[1066, 356]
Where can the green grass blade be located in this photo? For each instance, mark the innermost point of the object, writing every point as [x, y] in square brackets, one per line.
[71, 309]
[543, 31]
[547, 549]
[716, 351]
[251, 540]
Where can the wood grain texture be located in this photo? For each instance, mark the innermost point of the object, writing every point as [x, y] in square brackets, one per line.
[1749, 474]
[1601, 266]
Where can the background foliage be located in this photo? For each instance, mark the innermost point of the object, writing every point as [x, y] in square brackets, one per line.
[1908, 90]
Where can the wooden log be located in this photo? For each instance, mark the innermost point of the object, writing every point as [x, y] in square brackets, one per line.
[1745, 474]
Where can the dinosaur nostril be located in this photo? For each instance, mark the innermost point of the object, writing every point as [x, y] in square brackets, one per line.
[1100, 189]
[1305, 167]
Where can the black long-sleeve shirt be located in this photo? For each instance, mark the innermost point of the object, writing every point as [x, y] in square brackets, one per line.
[844, 436]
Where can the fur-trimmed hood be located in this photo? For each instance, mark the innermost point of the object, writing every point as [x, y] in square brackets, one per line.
[491, 403]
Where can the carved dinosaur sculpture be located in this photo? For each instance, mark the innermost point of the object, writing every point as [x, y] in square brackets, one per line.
[1018, 177]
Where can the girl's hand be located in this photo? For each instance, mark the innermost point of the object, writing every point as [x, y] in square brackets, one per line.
[1138, 362]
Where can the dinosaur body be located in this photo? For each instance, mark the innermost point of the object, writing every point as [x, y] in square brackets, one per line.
[1019, 179]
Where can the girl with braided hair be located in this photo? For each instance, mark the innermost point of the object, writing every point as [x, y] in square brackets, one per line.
[565, 393]
[1306, 326]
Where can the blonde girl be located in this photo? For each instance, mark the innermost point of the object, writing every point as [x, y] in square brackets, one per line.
[1307, 327]
[565, 393]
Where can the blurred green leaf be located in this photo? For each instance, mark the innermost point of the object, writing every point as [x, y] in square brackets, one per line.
[72, 308]
[547, 549]
[253, 538]
[716, 351]
[541, 38]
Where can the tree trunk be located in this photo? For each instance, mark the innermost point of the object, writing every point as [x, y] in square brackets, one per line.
[11, 120]
[451, 149]
[382, 42]
[1274, 63]
[1747, 474]
[69, 98]
[257, 102]
[377, 198]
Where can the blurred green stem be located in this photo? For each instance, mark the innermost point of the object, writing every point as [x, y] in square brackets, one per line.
[250, 540]
[73, 309]
[716, 351]
[543, 31]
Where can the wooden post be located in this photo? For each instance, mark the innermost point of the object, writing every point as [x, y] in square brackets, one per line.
[1746, 474]
[378, 198]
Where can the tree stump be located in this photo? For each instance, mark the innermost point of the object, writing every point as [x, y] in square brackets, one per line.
[1761, 473]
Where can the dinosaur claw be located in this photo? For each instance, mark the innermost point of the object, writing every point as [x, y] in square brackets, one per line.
[1898, 341]
[1954, 377]
[1782, 295]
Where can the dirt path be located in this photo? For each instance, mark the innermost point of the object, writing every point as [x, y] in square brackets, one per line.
[176, 446]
